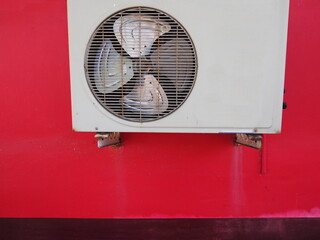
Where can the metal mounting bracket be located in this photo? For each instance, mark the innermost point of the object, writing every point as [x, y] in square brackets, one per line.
[108, 139]
[249, 140]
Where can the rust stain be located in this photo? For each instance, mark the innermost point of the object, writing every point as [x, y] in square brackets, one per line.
[237, 188]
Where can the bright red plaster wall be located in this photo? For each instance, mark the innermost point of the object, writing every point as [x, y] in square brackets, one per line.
[46, 170]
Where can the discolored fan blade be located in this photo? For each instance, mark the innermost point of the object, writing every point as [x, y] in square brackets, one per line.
[136, 33]
[148, 97]
[111, 71]
[175, 60]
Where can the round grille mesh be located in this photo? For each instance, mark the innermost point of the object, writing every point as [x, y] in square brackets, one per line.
[140, 64]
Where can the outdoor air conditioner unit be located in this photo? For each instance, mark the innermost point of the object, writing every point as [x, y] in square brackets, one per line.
[206, 66]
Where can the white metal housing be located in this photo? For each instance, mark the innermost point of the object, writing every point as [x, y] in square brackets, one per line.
[241, 49]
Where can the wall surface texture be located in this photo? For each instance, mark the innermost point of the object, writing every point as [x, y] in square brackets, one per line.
[47, 170]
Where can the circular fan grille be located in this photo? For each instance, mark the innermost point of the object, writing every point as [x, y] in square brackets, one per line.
[140, 64]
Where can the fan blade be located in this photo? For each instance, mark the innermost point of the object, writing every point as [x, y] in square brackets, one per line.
[111, 71]
[148, 97]
[175, 60]
[137, 32]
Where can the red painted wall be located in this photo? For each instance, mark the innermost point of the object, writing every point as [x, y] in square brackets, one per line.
[46, 170]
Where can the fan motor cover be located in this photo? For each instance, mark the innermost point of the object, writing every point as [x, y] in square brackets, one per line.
[213, 66]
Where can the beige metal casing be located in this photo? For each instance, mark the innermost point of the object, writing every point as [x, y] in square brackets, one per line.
[241, 50]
